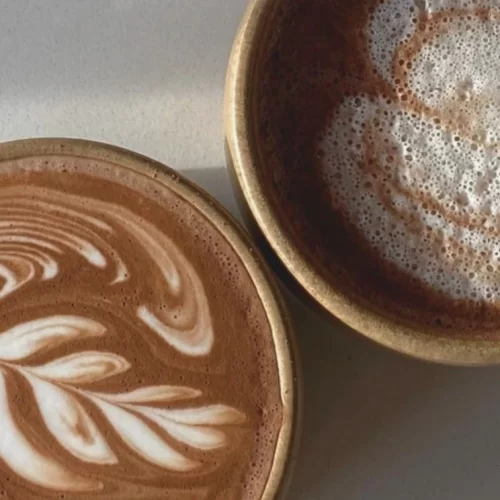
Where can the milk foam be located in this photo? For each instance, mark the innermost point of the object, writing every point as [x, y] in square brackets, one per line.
[26, 238]
[57, 392]
[20, 455]
[39, 228]
[419, 175]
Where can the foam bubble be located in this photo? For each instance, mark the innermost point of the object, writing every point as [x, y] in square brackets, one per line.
[457, 75]
[424, 201]
[396, 21]
[418, 174]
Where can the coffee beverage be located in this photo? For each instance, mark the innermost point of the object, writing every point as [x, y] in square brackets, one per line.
[136, 355]
[379, 128]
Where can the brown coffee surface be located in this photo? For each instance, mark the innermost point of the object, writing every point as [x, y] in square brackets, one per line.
[378, 129]
[136, 357]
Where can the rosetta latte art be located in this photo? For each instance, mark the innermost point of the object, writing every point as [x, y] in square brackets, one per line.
[56, 391]
[418, 173]
[38, 228]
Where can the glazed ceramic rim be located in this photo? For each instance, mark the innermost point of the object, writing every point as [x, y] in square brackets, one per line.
[283, 338]
[242, 160]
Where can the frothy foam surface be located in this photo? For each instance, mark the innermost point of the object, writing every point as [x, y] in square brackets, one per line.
[136, 359]
[386, 127]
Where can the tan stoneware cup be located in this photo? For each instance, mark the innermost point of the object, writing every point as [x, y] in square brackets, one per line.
[283, 338]
[246, 165]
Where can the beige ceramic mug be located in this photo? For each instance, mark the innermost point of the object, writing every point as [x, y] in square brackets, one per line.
[282, 336]
[247, 163]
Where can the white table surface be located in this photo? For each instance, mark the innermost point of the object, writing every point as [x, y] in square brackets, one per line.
[148, 75]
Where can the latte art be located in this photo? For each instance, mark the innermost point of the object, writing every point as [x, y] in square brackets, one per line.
[382, 135]
[425, 168]
[442, 221]
[56, 392]
[188, 327]
[110, 378]
[31, 243]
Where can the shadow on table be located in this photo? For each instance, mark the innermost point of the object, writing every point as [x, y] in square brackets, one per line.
[378, 425]
[216, 182]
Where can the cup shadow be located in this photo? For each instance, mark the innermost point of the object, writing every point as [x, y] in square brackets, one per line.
[376, 424]
[215, 181]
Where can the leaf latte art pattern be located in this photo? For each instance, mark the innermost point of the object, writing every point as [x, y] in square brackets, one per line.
[134, 415]
[106, 319]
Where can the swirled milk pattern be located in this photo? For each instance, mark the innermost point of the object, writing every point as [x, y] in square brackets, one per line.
[58, 356]
[29, 242]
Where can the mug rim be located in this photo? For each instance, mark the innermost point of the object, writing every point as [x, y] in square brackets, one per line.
[242, 160]
[283, 337]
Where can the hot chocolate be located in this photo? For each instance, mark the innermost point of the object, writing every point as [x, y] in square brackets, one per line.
[378, 121]
[136, 355]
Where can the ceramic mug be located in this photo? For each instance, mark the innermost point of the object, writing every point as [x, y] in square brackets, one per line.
[247, 164]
